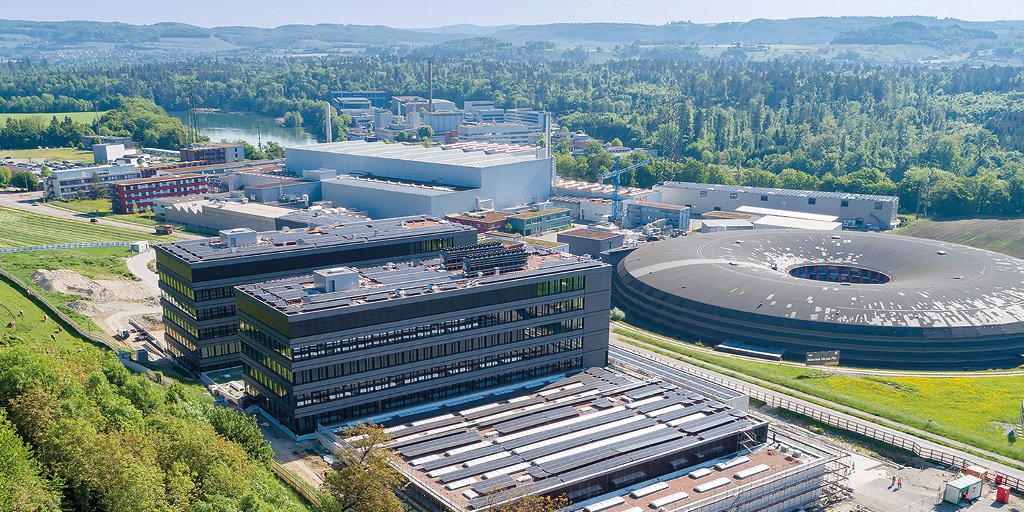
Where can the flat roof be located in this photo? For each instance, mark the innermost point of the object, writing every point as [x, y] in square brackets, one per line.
[788, 222]
[777, 191]
[484, 216]
[590, 233]
[397, 281]
[286, 241]
[726, 222]
[393, 185]
[418, 153]
[288, 183]
[756, 210]
[156, 179]
[663, 205]
[571, 430]
[541, 213]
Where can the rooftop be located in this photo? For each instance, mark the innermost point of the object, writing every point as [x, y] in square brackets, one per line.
[756, 210]
[415, 152]
[276, 185]
[726, 222]
[293, 240]
[158, 179]
[790, 222]
[589, 424]
[394, 185]
[530, 215]
[207, 145]
[479, 216]
[664, 206]
[590, 233]
[397, 281]
[777, 191]
[492, 147]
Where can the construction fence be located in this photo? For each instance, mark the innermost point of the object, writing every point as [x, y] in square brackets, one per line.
[54, 247]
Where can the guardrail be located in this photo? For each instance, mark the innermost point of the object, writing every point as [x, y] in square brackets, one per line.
[295, 483]
[54, 247]
[857, 427]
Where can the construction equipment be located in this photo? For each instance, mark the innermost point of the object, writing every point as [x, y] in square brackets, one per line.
[615, 173]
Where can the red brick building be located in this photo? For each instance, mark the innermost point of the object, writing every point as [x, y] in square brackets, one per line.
[483, 222]
[141, 192]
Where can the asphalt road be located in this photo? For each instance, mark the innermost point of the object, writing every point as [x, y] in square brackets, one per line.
[665, 367]
[137, 265]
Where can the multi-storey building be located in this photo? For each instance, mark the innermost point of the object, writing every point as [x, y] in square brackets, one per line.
[213, 152]
[512, 133]
[73, 183]
[140, 193]
[482, 221]
[376, 98]
[343, 344]
[537, 222]
[89, 140]
[197, 277]
[641, 213]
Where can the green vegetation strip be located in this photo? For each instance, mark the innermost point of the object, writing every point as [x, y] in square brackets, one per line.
[971, 410]
[24, 229]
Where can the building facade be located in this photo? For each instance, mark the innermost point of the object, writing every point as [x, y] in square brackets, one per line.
[590, 242]
[535, 223]
[376, 99]
[344, 344]
[197, 277]
[510, 133]
[138, 194]
[73, 183]
[213, 153]
[863, 209]
[89, 140]
[639, 214]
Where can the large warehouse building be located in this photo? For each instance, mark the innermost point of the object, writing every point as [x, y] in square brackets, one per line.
[343, 344]
[864, 209]
[882, 301]
[197, 277]
[390, 180]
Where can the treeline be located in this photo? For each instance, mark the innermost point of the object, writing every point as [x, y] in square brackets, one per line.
[819, 118]
[147, 124]
[78, 431]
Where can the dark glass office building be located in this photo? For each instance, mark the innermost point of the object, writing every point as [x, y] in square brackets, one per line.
[197, 277]
[345, 344]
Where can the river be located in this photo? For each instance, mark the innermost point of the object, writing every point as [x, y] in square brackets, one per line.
[235, 126]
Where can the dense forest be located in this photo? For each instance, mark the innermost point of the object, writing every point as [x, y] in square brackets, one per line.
[952, 134]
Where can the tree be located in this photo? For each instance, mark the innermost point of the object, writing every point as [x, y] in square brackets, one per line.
[243, 430]
[44, 172]
[616, 143]
[521, 499]
[97, 190]
[25, 179]
[5, 176]
[364, 478]
[425, 132]
[401, 137]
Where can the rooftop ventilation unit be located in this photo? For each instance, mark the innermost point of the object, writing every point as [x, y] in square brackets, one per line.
[336, 279]
[238, 236]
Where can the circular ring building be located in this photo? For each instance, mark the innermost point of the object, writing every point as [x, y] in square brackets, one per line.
[883, 301]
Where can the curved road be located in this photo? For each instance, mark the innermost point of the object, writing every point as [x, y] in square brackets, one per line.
[138, 265]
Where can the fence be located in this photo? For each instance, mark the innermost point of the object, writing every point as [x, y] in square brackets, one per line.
[857, 427]
[54, 247]
[296, 483]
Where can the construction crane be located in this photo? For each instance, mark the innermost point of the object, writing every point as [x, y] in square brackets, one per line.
[615, 173]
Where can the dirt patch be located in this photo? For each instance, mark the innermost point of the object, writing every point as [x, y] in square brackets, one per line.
[72, 283]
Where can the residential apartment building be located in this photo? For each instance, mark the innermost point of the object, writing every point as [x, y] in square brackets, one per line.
[140, 193]
[537, 222]
[197, 277]
[213, 152]
[343, 344]
[74, 183]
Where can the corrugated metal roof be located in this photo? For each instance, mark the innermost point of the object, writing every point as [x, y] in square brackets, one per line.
[776, 191]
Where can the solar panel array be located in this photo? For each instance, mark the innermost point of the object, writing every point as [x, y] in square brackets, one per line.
[576, 428]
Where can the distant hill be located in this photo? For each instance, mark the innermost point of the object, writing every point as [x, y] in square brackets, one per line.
[940, 40]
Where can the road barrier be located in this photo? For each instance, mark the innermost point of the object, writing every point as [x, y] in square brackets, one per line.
[857, 427]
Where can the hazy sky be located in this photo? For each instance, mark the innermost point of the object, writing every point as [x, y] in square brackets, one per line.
[420, 14]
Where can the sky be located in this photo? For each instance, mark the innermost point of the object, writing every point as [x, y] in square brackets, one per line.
[420, 14]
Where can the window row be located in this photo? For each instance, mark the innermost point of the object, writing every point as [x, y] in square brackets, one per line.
[267, 382]
[206, 333]
[220, 350]
[433, 351]
[264, 339]
[269, 362]
[438, 372]
[309, 423]
[435, 329]
[183, 341]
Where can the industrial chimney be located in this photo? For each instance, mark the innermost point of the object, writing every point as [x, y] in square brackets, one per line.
[327, 121]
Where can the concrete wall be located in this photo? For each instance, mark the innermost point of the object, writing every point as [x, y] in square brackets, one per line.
[218, 218]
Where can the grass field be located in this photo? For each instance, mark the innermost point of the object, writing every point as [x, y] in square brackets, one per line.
[102, 208]
[40, 155]
[22, 229]
[79, 117]
[998, 235]
[968, 409]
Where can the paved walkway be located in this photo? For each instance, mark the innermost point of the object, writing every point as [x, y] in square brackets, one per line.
[656, 363]
[138, 265]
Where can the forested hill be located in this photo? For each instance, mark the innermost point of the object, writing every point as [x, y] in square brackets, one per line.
[902, 39]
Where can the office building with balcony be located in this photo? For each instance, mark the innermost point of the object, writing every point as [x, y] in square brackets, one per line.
[344, 344]
[197, 277]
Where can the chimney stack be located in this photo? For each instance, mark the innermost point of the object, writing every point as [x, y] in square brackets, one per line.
[327, 121]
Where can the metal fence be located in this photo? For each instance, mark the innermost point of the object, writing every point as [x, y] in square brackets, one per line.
[54, 247]
[857, 427]
[295, 483]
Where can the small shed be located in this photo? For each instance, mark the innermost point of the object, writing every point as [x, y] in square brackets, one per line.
[139, 246]
[963, 489]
